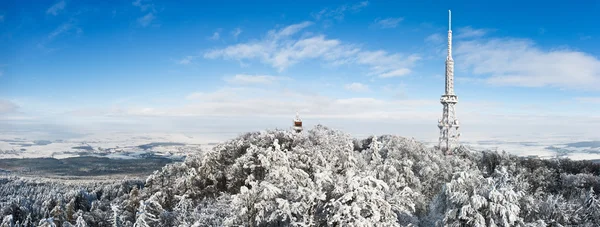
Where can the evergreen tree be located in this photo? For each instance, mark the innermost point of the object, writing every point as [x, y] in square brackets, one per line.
[116, 221]
[80, 221]
[7, 221]
[144, 216]
[28, 222]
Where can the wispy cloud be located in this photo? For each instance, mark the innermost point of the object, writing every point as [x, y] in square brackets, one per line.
[186, 60]
[235, 101]
[244, 79]
[339, 12]
[388, 22]
[282, 49]
[356, 87]
[67, 28]
[469, 32]
[434, 38]
[236, 32]
[64, 28]
[519, 62]
[143, 5]
[290, 30]
[1, 18]
[56, 8]
[395, 73]
[146, 19]
[215, 36]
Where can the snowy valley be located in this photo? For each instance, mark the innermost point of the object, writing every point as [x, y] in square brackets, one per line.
[321, 177]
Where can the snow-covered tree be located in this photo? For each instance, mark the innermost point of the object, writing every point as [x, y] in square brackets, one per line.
[591, 208]
[321, 177]
[116, 221]
[7, 221]
[470, 199]
[28, 222]
[80, 222]
[47, 222]
[149, 212]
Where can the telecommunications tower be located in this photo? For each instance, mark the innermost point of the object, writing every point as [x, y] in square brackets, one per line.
[449, 123]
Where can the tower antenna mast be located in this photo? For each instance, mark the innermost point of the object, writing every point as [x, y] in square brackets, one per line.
[449, 20]
[449, 123]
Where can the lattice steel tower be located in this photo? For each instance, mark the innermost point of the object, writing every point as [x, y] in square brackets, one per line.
[449, 123]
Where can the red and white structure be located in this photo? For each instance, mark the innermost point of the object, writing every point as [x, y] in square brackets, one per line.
[297, 123]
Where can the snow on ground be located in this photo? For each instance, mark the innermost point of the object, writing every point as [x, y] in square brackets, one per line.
[19, 146]
[583, 156]
[516, 149]
[124, 145]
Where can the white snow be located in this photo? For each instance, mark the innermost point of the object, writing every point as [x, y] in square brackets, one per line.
[11, 146]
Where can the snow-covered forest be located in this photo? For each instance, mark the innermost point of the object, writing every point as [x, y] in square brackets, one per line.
[322, 177]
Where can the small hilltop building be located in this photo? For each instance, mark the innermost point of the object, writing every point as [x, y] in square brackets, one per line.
[297, 126]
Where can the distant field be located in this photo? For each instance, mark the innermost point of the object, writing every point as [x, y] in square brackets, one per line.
[591, 144]
[83, 166]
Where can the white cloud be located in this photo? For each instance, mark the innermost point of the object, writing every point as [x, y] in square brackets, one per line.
[146, 19]
[339, 12]
[395, 73]
[518, 62]
[65, 27]
[289, 30]
[281, 49]
[434, 38]
[244, 79]
[142, 5]
[388, 22]
[215, 36]
[356, 87]
[235, 110]
[249, 102]
[7, 106]
[364, 114]
[236, 32]
[186, 60]
[359, 6]
[56, 8]
[469, 32]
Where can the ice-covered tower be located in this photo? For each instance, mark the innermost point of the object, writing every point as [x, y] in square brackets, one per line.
[449, 123]
[297, 123]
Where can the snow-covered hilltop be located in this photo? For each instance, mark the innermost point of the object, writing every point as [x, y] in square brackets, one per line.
[324, 177]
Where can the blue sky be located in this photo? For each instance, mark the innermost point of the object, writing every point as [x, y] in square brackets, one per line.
[374, 66]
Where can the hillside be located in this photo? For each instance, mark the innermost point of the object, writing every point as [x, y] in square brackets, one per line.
[324, 177]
